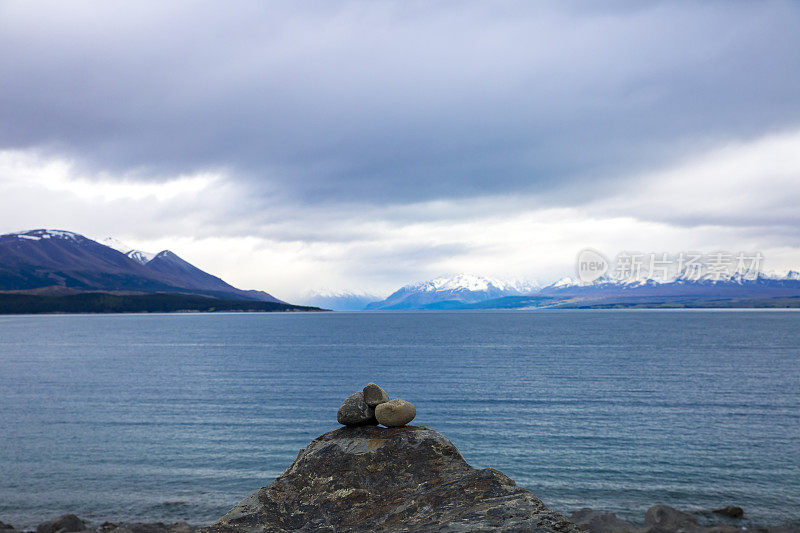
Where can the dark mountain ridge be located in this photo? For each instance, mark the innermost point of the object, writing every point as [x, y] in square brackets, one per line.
[189, 276]
[41, 260]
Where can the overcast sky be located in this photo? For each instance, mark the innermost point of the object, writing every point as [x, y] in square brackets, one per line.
[364, 145]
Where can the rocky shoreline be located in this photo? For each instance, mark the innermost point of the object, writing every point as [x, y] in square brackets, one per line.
[665, 519]
[399, 478]
[657, 519]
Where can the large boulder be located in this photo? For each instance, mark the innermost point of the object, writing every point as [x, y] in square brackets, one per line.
[665, 518]
[68, 523]
[601, 521]
[154, 527]
[389, 479]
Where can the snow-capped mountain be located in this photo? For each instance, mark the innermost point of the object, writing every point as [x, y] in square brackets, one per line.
[137, 255]
[452, 291]
[678, 290]
[42, 258]
[788, 279]
[476, 292]
[45, 260]
[472, 284]
[339, 300]
[45, 234]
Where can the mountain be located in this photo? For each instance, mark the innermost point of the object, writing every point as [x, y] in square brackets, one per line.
[452, 292]
[763, 290]
[169, 264]
[476, 292]
[54, 261]
[339, 300]
[734, 286]
[45, 258]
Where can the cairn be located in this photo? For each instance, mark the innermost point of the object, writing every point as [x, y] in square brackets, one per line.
[372, 406]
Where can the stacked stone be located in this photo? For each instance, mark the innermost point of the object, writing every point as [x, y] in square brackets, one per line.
[372, 406]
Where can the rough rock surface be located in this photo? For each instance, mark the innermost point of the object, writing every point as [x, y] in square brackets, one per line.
[389, 479]
[67, 523]
[374, 395]
[153, 527]
[601, 521]
[667, 518]
[395, 413]
[7, 528]
[355, 412]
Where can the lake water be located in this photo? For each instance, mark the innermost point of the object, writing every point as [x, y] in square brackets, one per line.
[177, 417]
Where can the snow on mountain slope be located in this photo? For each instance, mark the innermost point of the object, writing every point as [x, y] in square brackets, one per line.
[140, 256]
[461, 288]
[471, 291]
[785, 275]
[472, 283]
[116, 244]
[42, 259]
[734, 285]
[39, 234]
[137, 255]
[339, 300]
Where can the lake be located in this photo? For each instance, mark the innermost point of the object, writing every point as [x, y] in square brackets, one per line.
[178, 417]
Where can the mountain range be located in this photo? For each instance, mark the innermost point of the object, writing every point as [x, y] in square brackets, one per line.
[339, 300]
[465, 291]
[46, 262]
[55, 263]
[452, 292]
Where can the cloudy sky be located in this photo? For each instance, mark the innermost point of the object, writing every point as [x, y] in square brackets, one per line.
[363, 145]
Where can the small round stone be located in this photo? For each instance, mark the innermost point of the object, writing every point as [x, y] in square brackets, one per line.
[395, 413]
[355, 412]
[374, 395]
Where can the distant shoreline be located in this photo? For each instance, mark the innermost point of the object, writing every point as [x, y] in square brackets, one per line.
[99, 303]
[107, 303]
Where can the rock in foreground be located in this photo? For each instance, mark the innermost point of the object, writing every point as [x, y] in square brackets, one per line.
[395, 413]
[731, 511]
[601, 521]
[355, 411]
[374, 395]
[389, 479]
[68, 523]
[666, 518]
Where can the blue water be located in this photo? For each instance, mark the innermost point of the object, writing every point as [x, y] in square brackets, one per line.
[177, 417]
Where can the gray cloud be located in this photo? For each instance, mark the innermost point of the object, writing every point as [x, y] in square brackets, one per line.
[314, 102]
[368, 144]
